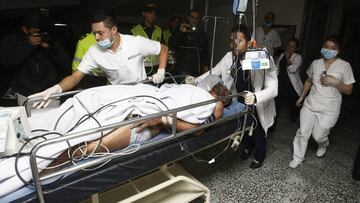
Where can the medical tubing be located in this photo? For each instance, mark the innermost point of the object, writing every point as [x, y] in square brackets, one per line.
[91, 115]
[94, 130]
[19, 153]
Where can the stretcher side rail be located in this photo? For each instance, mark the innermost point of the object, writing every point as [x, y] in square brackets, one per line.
[70, 136]
[70, 93]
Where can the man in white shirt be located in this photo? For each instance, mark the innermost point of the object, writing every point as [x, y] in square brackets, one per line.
[121, 57]
[266, 36]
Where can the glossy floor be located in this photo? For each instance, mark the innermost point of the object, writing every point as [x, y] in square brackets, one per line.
[326, 179]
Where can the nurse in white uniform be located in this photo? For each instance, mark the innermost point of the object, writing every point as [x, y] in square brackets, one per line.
[328, 78]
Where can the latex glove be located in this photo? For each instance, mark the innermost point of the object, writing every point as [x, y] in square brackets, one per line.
[159, 76]
[190, 80]
[249, 98]
[329, 80]
[56, 89]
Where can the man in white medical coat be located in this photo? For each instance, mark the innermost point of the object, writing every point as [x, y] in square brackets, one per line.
[262, 86]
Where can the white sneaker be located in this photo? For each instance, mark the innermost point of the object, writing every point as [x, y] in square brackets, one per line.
[321, 151]
[295, 163]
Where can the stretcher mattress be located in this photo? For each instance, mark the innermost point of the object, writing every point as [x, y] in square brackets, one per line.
[82, 184]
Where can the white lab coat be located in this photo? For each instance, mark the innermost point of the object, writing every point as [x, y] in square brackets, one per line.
[265, 84]
[269, 41]
[293, 71]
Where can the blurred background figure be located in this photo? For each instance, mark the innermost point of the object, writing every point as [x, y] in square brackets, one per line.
[34, 58]
[150, 30]
[290, 84]
[174, 25]
[266, 36]
[191, 46]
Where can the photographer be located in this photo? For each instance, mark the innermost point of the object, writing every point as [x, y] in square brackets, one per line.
[190, 43]
[32, 57]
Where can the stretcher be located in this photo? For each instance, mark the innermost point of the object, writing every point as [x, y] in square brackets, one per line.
[73, 184]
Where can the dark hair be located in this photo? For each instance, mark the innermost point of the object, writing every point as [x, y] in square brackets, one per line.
[150, 7]
[335, 39]
[271, 13]
[175, 17]
[243, 29]
[107, 17]
[194, 10]
[31, 20]
[297, 42]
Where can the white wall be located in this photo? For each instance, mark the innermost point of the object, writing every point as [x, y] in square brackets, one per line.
[288, 12]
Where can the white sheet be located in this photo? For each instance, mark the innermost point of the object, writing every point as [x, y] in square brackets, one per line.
[173, 96]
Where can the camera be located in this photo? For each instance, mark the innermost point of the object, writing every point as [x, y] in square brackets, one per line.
[192, 29]
[45, 37]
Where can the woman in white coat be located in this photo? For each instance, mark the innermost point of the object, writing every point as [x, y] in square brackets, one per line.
[328, 78]
[263, 90]
[290, 84]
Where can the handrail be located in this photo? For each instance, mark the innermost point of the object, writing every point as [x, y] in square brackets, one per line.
[68, 93]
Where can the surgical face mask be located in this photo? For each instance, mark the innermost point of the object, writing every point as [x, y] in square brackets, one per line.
[267, 23]
[106, 43]
[328, 53]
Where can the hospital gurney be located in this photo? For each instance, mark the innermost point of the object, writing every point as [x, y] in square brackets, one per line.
[162, 150]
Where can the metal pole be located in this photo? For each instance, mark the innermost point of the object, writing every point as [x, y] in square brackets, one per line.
[205, 14]
[213, 46]
[191, 4]
[254, 4]
[206, 18]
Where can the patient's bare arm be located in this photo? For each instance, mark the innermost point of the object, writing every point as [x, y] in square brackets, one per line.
[183, 125]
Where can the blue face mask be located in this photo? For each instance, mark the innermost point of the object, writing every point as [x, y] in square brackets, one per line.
[328, 53]
[106, 43]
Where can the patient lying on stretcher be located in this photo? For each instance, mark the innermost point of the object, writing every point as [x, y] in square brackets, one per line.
[106, 105]
[144, 130]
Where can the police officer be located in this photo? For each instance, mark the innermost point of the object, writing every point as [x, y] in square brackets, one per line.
[149, 30]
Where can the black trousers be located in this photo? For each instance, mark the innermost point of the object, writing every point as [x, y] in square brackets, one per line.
[257, 141]
[356, 168]
[288, 97]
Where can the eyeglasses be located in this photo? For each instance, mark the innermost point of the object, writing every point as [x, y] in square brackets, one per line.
[234, 41]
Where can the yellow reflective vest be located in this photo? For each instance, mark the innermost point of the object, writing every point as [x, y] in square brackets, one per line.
[167, 35]
[82, 46]
[156, 35]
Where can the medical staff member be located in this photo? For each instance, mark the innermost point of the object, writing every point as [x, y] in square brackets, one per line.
[151, 31]
[290, 84]
[328, 78]
[266, 36]
[263, 90]
[121, 57]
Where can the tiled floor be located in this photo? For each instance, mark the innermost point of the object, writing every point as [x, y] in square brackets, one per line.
[317, 180]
